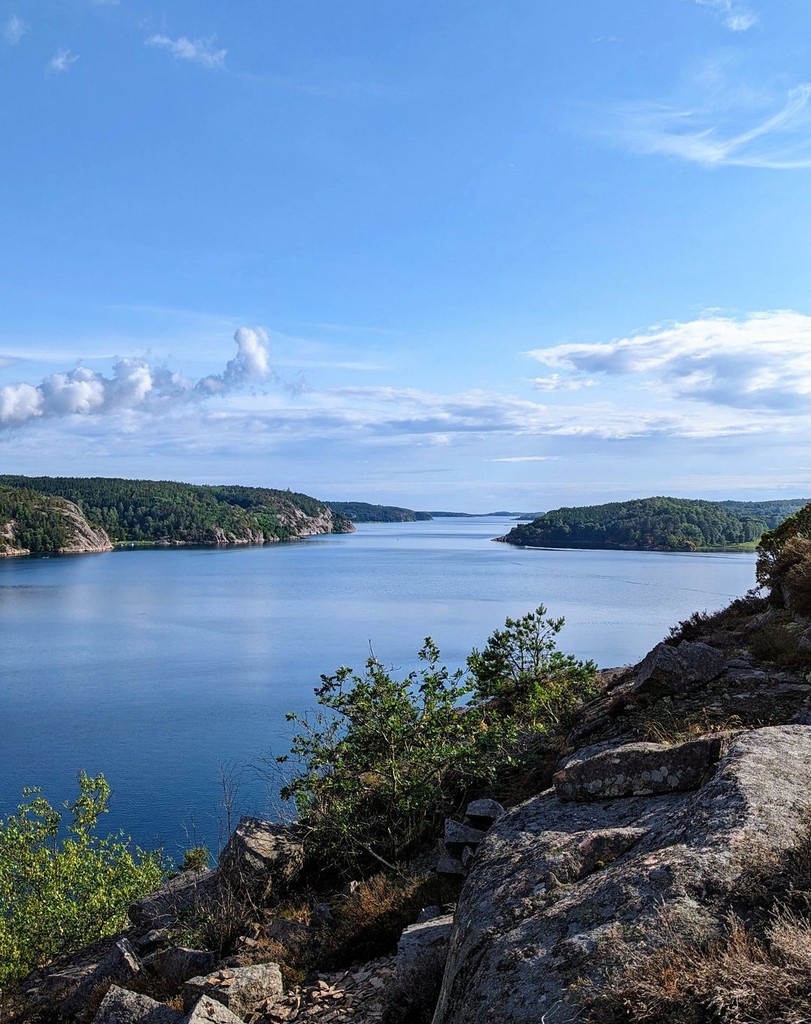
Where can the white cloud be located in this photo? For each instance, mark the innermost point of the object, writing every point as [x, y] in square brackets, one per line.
[760, 362]
[197, 51]
[251, 363]
[735, 15]
[528, 458]
[555, 382]
[61, 62]
[724, 128]
[13, 30]
[135, 386]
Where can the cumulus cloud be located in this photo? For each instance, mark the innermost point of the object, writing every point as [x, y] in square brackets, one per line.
[135, 385]
[762, 361]
[61, 62]
[13, 30]
[251, 363]
[725, 128]
[198, 51]
[735, 15]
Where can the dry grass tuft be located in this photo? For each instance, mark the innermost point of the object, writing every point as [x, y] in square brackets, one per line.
[670, 725]
[723, 628]
[758, 971]
[739, 979]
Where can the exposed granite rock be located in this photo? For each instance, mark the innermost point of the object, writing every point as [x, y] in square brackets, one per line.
[120, 1006]
[261, 859]
[559, 888]
[482, 813]
[672, 670]
[423, 947]
[188, 891]
[241, 989]
[458, 835]
[121, 966]
[178, 963]
[209, 1011]
[83, 537]
[639, 769]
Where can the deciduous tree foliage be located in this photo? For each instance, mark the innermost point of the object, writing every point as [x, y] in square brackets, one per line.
[61, 884]
[382, 760]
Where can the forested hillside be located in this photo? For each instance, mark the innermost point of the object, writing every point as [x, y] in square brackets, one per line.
[147, 511]
[363, 512]
[31, 521]
[656, 524]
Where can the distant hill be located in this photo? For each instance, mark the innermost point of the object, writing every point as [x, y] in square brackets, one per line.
[656, 524]
[160, 512]
[363, 512]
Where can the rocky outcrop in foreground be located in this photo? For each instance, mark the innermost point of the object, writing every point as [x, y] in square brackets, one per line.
[676, 829]
[564, 884]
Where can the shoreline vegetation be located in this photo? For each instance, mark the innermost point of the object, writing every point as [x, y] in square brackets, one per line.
[66, 515]
[75, 515]
[656, 524]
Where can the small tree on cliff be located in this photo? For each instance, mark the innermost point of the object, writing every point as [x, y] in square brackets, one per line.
[522, 670]
[784, 562]
[384, 761]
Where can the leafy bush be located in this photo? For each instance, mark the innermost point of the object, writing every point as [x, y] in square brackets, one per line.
[522, 668]
[64, 887]
[196, 858]
[385, 760]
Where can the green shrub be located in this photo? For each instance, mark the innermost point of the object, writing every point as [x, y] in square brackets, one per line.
[196, 858]
[531, 679]
[62, 887]
[378, 768]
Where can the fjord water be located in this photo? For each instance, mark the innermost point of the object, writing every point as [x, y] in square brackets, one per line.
[161, 667]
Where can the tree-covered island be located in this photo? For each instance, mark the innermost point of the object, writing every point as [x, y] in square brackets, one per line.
[656, 524]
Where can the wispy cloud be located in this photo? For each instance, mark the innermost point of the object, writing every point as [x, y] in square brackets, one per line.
[13, 30]
[527, 458]
[135, 385]
[61, 62]
[735, 15]
[555, 382]
[197, 51]
[759, 362]
[724, 130]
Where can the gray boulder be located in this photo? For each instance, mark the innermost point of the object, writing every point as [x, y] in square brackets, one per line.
[482, 813]
[560, 893]
[208, 1011]
[260, 860]
[423, 947]
[458, 835]
[667, 671]
[241, 989]
[120, 1006]
[186, 893]
[121, 966]
[178, 963]
[640, 769]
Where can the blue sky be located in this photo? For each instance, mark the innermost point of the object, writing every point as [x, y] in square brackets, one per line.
[471, 254]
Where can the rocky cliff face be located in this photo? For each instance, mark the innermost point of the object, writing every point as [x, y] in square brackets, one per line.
[84, 536]
[78, 535]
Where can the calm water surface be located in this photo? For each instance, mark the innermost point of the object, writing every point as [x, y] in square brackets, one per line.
[158, 667]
